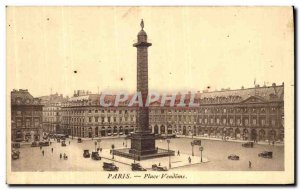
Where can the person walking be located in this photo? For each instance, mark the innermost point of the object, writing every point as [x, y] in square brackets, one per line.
[60, 156]
[178, 153]
[190, 160]
[250, 164]
[43, 152]
[69, 142]
[52, 150]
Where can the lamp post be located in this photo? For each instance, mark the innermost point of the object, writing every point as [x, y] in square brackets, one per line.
[133, 156]
[192, 144]
[168, 141]
[95, 146]
[113, 147]
[201, 149]
[99, 141]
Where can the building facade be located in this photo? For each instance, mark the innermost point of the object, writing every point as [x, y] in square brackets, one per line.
[26, 116]
[243, 114]
[52, 113]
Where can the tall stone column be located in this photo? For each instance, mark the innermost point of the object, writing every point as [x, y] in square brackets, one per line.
[142, 141]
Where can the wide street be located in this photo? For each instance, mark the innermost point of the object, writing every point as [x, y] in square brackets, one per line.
[31, 158]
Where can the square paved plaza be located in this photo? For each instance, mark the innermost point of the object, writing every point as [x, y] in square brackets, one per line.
[215, 155]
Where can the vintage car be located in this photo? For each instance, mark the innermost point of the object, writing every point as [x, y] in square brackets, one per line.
[16, 145]
[63, 143]
[15, 154]
[266, 154]
[35, 144]
[137, 167]
[110, 167]
[159, 168]
[248, 145]
[197, 142]
[44, 143]
[233, 157]
[95, 156]
[120, 133]
[79, 140]
[86, 154]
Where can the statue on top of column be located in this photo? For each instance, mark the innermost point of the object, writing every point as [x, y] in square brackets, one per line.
[142, 24]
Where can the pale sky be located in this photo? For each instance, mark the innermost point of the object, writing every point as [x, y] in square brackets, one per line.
[192, 47]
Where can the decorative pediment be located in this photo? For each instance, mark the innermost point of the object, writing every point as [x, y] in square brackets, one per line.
[254, 99]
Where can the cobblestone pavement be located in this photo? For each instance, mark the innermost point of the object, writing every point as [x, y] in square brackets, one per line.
[215, 151]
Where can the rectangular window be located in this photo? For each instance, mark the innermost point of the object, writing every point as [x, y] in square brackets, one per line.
[27, 124]
[19, 123]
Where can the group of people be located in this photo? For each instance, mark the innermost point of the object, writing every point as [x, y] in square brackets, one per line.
[61, 156]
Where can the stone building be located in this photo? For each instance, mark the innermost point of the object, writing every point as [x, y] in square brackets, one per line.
[26, 116]
[82, 116]
[52, 113]
[243, 114]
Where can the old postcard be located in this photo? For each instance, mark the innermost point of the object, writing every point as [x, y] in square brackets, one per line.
[150, 95]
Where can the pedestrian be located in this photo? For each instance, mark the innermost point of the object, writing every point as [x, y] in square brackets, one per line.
[69, 142]
[190, 160]
[273, 142]
[50, 143]
[43, 152]
[250, 164]
[52, 150]
[123, 143]
[178, 153]
[64, 155]
[60, 156]
[40, 147]
[159, 164]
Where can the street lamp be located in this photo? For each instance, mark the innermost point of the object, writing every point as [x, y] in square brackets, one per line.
[133, 155]
[99, 141]
[113, 147]
[168, 141]
[95, 146]
[192, 144]
[201, 149]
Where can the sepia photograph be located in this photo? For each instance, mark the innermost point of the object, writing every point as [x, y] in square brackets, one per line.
[149, 95]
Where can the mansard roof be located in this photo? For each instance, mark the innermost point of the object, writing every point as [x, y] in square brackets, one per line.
[23, 97]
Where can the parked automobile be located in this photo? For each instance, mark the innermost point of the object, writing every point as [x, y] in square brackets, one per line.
[95, 156]
[159, 168]
[266, 154]
[137, 167]
[35, 144]
[86, 154]
[197, 142]
[248, 145]
[110, 166]
[120, 133]
[79, 140]
[108, 134]
[63, 143]
[44, 143]
[15, 154]
[233, 157]
[16, 145]
[115, 134]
